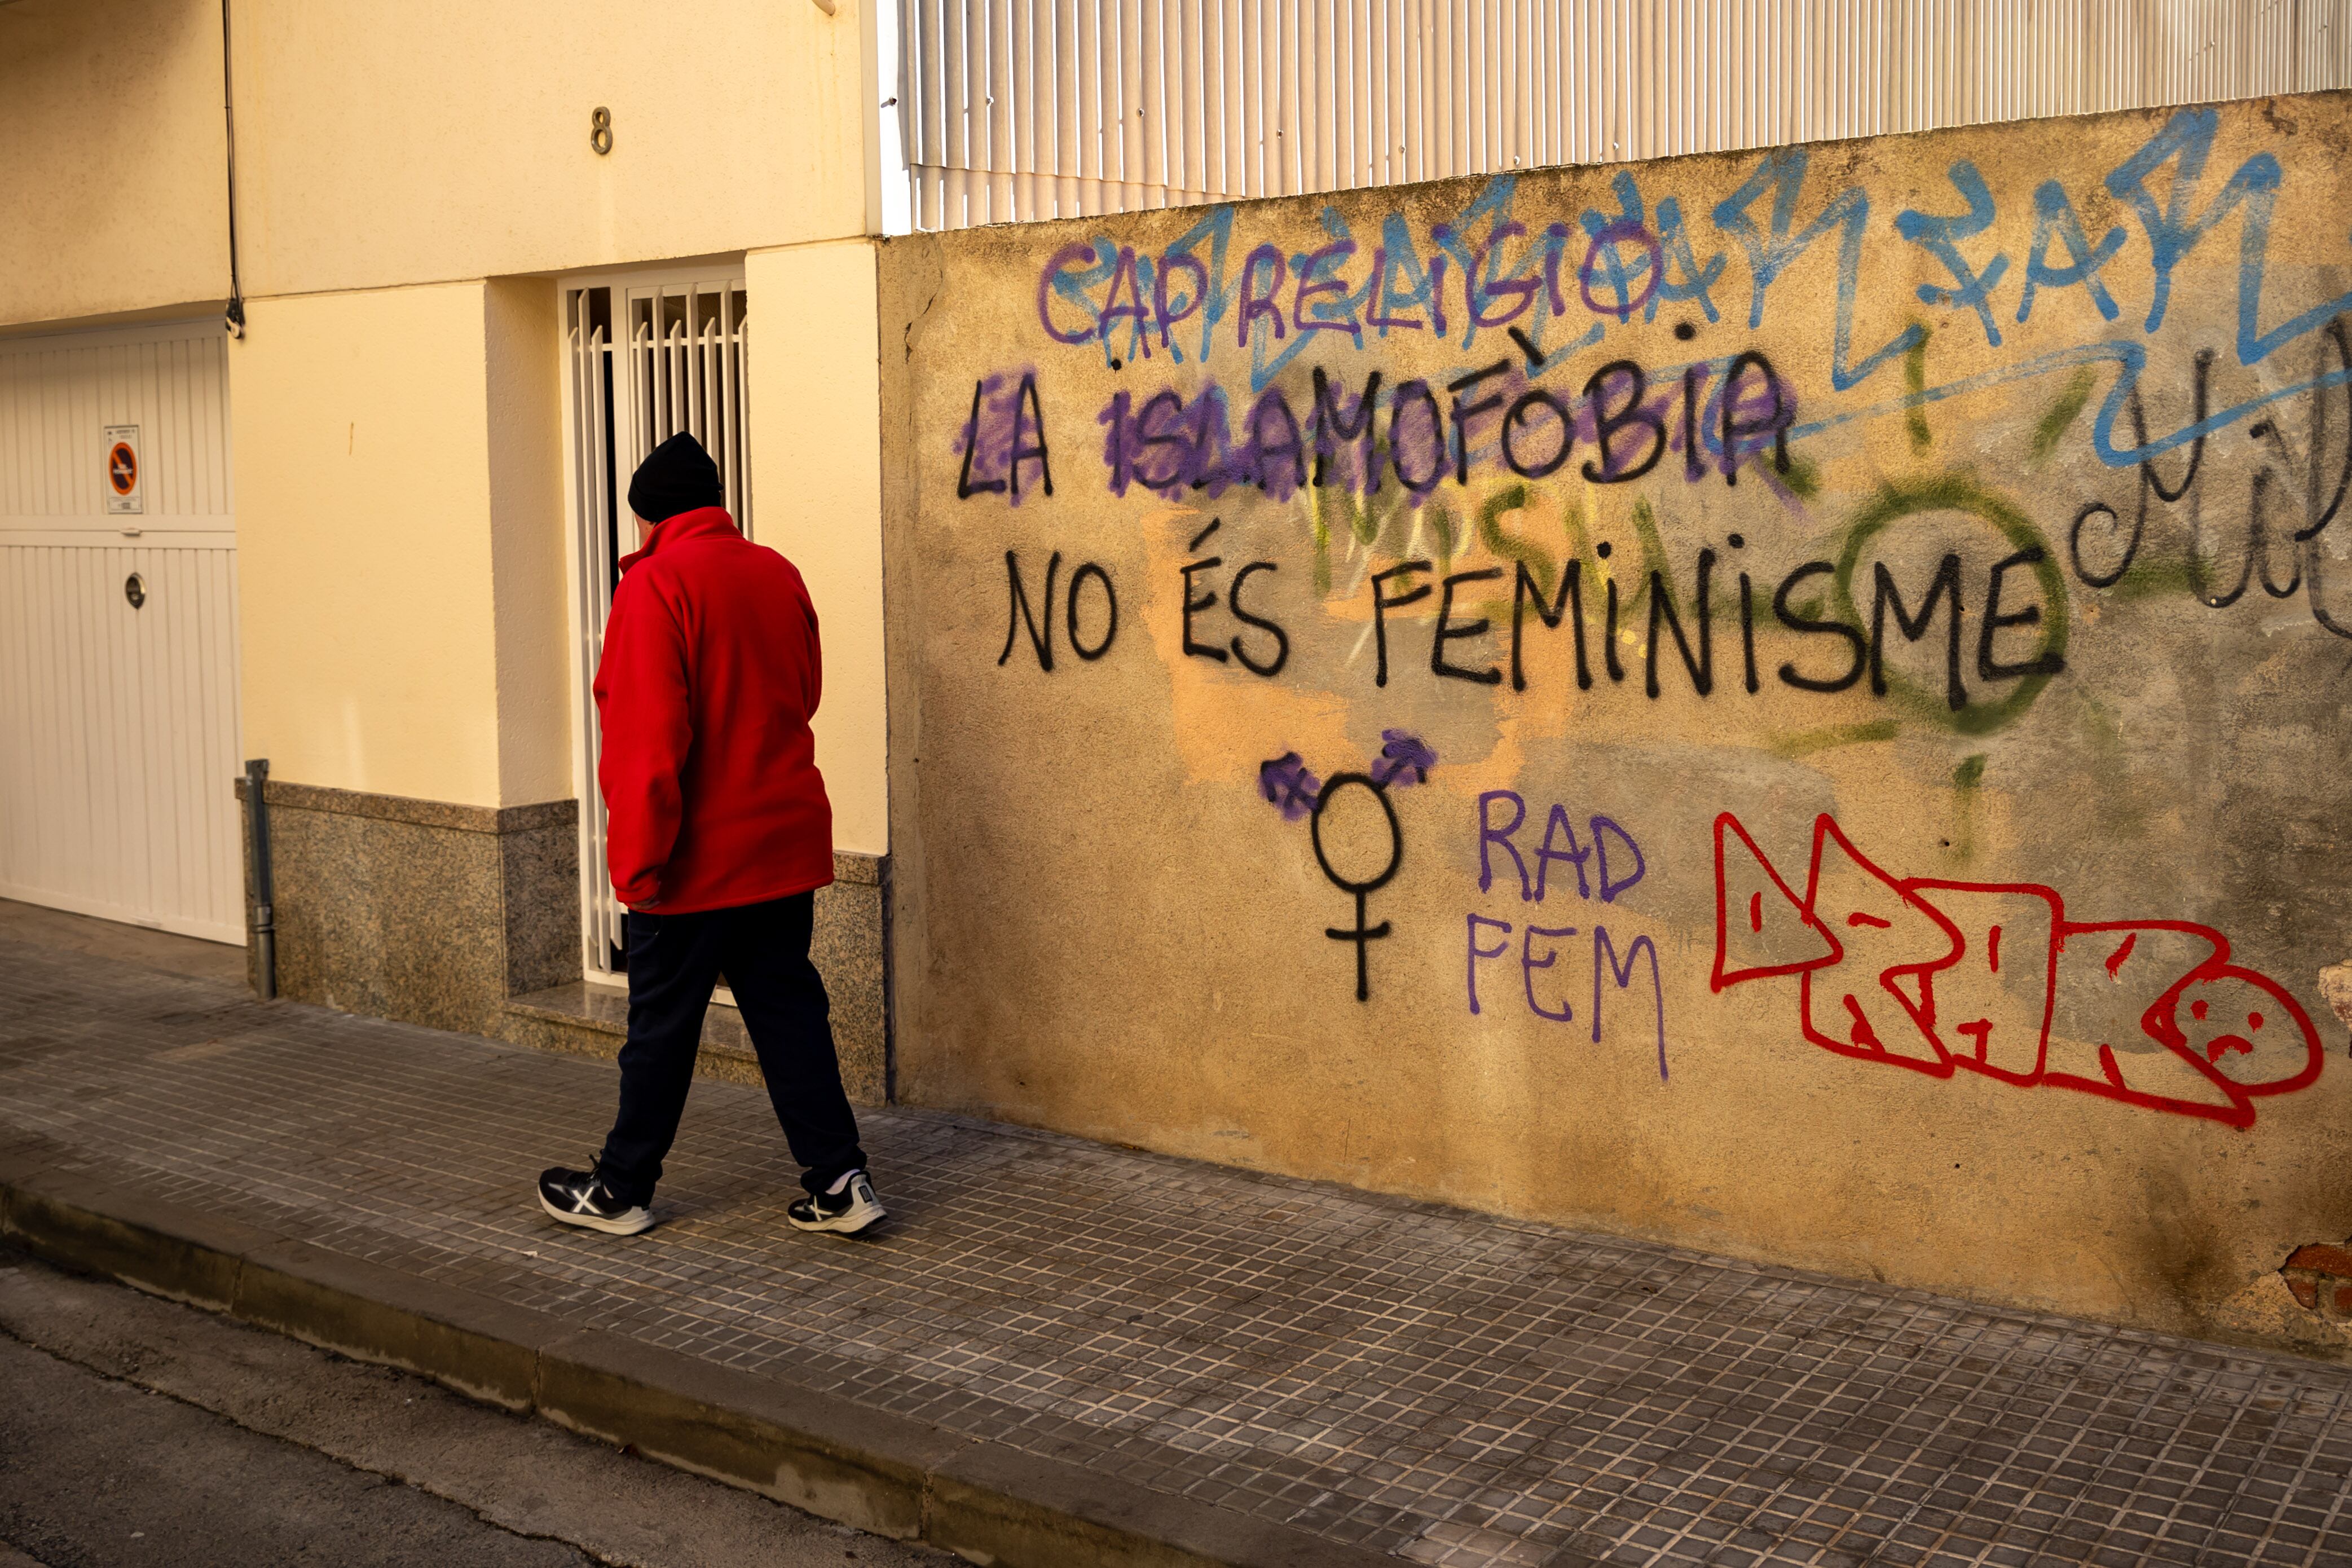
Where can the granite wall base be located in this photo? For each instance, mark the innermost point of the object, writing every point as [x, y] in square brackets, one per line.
[418, 909]
[468, 918]
[850, 946]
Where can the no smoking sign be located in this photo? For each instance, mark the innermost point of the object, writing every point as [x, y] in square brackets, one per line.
[124, 480]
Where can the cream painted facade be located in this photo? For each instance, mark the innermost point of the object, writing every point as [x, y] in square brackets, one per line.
[410, 183]
[383, 148]
[816, 462]
[117, 185]
[403, 547]
[414, 188]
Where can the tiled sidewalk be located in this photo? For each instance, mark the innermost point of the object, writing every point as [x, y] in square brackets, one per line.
[1448, 1388]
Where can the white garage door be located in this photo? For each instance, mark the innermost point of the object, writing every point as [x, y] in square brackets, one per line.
[117, 629]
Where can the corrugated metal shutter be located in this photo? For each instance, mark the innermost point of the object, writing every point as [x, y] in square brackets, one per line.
[118, 725]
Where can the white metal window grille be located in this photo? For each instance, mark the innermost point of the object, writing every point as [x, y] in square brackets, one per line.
[648, 360]
[1017, 110]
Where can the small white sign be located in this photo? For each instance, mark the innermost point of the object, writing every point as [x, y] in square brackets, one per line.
[125, 480]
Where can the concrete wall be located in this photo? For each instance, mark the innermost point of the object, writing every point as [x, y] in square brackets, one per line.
[1910, 854]
[115, 147]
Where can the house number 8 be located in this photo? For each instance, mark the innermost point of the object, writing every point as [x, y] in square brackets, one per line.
[600, 130]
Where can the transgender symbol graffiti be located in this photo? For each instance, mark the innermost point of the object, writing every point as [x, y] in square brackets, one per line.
[1362, 935]
[1285, 782]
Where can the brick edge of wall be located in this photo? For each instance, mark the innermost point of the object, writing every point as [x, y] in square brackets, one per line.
[2320, 1275]
[986, 1501]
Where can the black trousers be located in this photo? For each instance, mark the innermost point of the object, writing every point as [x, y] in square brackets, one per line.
[674, 963]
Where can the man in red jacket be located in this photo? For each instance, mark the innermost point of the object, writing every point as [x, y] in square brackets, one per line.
[719, 835]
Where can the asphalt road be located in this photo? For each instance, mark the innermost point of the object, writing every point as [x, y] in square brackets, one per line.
[137, 1432]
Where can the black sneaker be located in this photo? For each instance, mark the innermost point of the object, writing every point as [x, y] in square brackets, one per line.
[580, 1197]
[850, 1211]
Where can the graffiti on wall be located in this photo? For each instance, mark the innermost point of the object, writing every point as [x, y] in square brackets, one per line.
[1507, 837]
[1361, 857]
[1602, 453]
[2237, 471]
[1943, 976]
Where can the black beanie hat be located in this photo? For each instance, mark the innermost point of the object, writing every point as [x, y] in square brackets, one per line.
[678, 477]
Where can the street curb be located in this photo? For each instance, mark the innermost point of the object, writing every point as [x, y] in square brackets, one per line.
[987, 1501]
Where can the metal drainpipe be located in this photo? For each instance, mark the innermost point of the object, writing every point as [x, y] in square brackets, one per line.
[264, 918]
[234, 317]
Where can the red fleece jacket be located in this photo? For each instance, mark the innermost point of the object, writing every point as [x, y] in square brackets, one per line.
[709, 676]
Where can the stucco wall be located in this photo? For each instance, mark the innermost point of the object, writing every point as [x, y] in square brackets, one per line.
[114, 146]
[446, 140]
[816, 468]
[1772, 902]
[405, 612]
[400, 542]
